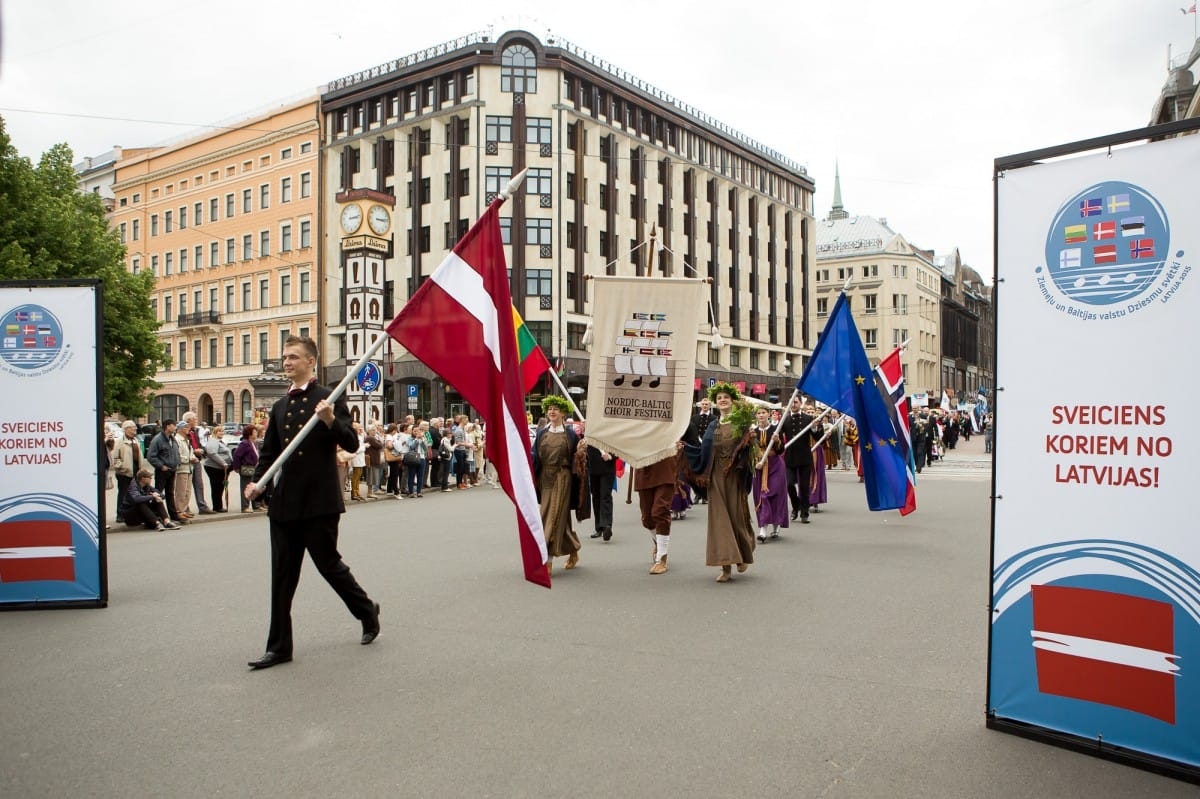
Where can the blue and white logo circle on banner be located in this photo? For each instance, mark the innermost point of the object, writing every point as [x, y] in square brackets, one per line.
[368, 377]
[1108, 244]
[32, 341]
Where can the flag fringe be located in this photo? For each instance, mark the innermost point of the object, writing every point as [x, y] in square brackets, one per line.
[636, 463]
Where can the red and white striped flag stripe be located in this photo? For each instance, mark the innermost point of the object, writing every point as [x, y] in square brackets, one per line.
[38, 549]
[459, 323]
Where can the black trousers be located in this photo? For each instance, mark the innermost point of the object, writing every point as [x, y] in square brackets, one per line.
[393, 477]
[147, 514]
[122, 489]
[216, 480]
[800, 476]
[289, 541]
[600, 486]
[164, 481]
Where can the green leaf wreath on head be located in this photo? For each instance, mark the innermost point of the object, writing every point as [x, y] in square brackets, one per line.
[556, 401]
[741, 415]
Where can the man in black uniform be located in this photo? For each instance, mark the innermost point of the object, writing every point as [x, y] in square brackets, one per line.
[694, 435]
[305, 503]
[601, 472]
[798, 457]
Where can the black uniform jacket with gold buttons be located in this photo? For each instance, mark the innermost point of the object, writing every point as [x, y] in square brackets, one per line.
[308, 482]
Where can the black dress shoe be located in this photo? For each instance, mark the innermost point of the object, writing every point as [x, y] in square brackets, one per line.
[795, 514]
[596, 534]
[804, 519]
[607, 533]
[268, 660]
[371, 627]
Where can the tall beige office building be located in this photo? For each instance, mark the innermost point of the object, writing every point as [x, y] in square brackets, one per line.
[227, 221]
[415, 148]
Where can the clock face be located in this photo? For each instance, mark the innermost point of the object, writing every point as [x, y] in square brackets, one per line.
[351, 218]
[379, 219]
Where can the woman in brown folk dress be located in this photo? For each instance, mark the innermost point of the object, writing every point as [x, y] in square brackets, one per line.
[553, 462]
[723, 459]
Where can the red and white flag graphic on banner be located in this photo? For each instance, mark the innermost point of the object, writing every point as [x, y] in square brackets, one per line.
[459, 323]
[889, 379]
[1104, 647]
[36, 550]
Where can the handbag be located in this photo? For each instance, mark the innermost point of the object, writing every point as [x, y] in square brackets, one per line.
[246, 472]
[391, 456]
[412, 458]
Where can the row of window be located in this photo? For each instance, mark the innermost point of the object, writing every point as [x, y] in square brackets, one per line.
[870, 304]
[179, 359]
[410, 101]
[247, 250]
[499, 130]
[637, 121]
[868, 271]
[870, 337]
[304, 294]
[169, 218]
[264, 161]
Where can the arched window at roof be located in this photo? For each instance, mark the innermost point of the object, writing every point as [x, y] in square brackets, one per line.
[518, 70]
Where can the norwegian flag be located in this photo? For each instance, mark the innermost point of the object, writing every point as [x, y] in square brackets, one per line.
[460, 324]
[1141, 248]
[1112, 649]
[889, 379]
[36, 550]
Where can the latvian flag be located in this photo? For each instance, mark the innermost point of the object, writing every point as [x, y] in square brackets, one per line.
[1104, 230]
[1141, 248]
[460, 324]
[1105, 254]
[36, 550]
[1108, 648]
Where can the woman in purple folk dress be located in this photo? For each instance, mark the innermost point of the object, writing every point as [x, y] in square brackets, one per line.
[769, 488]
[818, 492]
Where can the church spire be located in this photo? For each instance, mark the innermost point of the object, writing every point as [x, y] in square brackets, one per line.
[837, 211]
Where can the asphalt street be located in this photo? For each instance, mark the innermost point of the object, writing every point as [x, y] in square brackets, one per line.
[849, 661]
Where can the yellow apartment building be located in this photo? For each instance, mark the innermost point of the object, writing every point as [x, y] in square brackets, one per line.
[227, 222]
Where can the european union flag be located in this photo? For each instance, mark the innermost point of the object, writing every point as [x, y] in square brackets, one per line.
[839, 375]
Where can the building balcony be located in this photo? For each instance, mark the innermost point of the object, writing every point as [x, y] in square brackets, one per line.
[199, 319]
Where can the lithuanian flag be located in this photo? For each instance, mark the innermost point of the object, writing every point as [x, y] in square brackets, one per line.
[534, 362]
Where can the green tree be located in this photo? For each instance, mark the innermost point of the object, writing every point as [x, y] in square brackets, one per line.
[48, 231]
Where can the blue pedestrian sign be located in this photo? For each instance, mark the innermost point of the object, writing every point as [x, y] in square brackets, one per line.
[368, 377]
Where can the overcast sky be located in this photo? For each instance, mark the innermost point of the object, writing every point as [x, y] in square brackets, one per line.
[914, 99]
